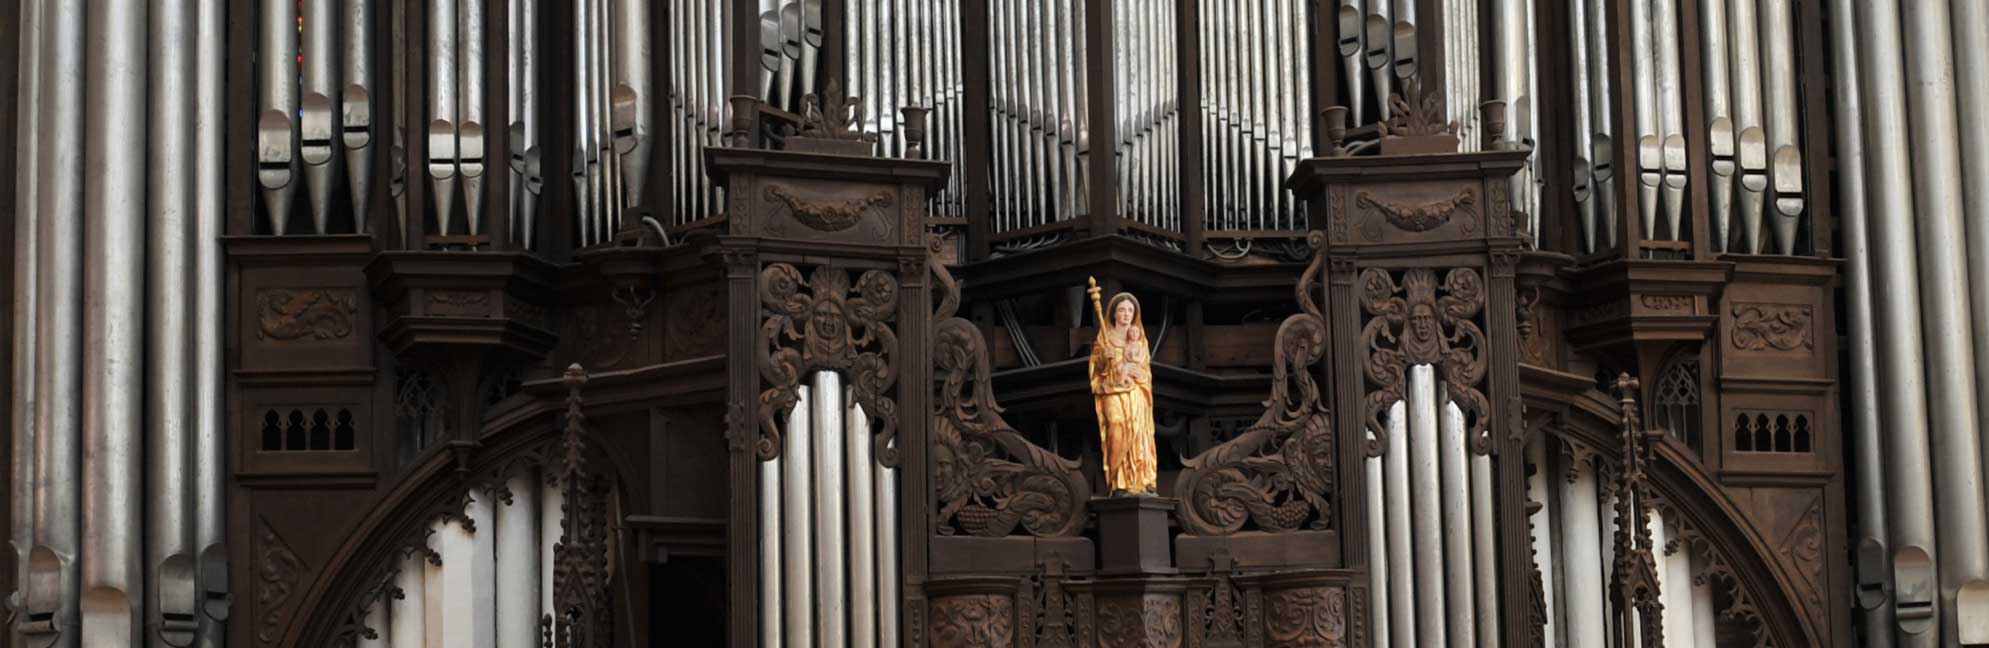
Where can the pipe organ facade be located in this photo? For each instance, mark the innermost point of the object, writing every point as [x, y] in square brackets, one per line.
[576, 323]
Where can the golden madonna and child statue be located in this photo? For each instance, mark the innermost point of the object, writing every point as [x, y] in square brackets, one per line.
[1122, 388]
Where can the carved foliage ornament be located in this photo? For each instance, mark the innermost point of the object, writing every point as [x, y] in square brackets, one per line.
[1144, 621]
[1771, 327]
[1422, 216]
[278, 572]
[297, 313]
[1420, 321]
[825, 324]
[823, 211]
[1277, 474]
[1307, 617]
[973, 621]
[989, 478]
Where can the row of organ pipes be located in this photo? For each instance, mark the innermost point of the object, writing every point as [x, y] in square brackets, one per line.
[489, 579]
[908, 53]
[828, 521]
[121, 364]
[1913, 183]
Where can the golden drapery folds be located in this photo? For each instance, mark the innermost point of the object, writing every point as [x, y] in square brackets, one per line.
[1122, 387]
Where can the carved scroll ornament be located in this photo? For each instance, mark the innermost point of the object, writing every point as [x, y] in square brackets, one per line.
[1277, 474]
[1421, 216]
[1419, 321]
[1766, 327]
[990, 479]
[973, 621]
[1144, 621]
[823, 211]
[1310, 617]
[278, 573]
[827, 324]
[297, 313]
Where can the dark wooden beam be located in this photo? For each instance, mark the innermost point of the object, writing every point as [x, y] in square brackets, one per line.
[975, 135]
[1188, 57]
[1100, 106]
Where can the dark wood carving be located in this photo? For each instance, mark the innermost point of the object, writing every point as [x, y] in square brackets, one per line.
[825, 211]
[581, 603]
[836, 326]
[1410, 323]
[1306, 617]
[278, 572]
[973, 621]
[298, 313]
[990, 479]
[1771, 327]
[1420, 216]
[1140, 621]
[1278, 474]
[1633, 581]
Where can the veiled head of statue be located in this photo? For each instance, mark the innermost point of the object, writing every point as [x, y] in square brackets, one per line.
[1125, 310]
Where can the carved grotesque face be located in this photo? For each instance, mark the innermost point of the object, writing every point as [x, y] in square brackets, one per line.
[827, 319]
[1122, 315]
[1422, 322]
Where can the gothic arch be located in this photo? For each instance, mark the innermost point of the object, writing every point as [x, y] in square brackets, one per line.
[1760, 589]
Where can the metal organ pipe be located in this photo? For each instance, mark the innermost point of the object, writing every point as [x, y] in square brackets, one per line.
[1351, 15]
[276, 128]
[318, 132]
[1650, 143]
[517, 556]
[831, 600]
[1719, 117]
[1377, 552]
[699, 99]
[1751, 141]
[1539, 489]
[797, 505]
[1784, 130]
[470, 134]
[1512, 58]
[526, 179]
[1583, 572]
[1909, 492]
[772, 599]
[356, 107]
[171, 597]
[21, 478]
[1602, 141]
[1671, 112]
[1402, 602]
[1949, 360]
[1460, 618]
[860, 499]
[1583, 185]
[1971, 27]
[1426, 488]
[1484, 559]
[1378, 40]
[442, 151]
[1862, 391]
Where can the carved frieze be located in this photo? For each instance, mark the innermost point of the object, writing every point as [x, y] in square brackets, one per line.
[1759, 326]
[1802, 550]
[286, 314]
[973, 621]
[278, 573]
[1417, 321]
[826, 323]
[831, 210]
[1421, 216]
[1277, 475]
[1306, 617]
[1139, 621]
[460, 303]
[1667, 304]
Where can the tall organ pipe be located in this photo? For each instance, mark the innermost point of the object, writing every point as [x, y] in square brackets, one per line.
[1751, 143]
[356, 108]
[1971, 21]
[860, 499]
[1957, 443]
[517, 556]
[113, 340]
[772, 599]
[21, 478]
[1862, 393]
[1380, 33]
[831, 600]
[1484, 550]
[1583, 186]
[1644, 94]
[171, 597]
[470, 134]
[1719, 117]
[1515, 77]
[319, 131]
[1377, 553]
[1903, 407]
[1539, 489]
[1352, 30]
[1460, 618]
[1671, 111]
[887, 554]
[276, 128]
[523, 42]
[1602, 144]
[633, 95]
[1581, 540]
[1425, 493]
[797, 504]
[1784, 128]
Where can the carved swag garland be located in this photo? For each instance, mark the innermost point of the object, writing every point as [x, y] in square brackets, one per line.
[1410, 323]
[1278, 473]
[989, 478]
[836, 327]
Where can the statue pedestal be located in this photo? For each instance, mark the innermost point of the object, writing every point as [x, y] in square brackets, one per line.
[1132, 535]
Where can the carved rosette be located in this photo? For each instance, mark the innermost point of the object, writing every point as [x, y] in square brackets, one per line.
[1420, 321]
[973, 621]
[990, 479]
[1141, 621]
[1306, 617]
[826, 324]
[1278, 474]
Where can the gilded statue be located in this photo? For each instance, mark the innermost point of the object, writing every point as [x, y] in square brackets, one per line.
[1122, 387]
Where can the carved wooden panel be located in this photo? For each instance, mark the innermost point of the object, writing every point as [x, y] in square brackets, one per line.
[1306, 617]
[317, 430]
[1413, 211]
[325, 324]
[984, 620]
[1150, 620]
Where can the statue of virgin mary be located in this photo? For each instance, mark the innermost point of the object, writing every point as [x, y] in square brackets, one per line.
[1122, 388]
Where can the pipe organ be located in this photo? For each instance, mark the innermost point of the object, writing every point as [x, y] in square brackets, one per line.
[1256, 112]
[1039, 115]
[699, 89]
[485, 579]
[909, 54]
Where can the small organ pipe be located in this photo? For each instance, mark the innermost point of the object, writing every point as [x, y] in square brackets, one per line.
[797, 503]
[887, 554]
[442, 87]
[1484, 559]
[1460, 618]
[276, 128]
[1784, 128]
[1377, 40]
[1402, 600]
[1719, 117]
[319, 130]
[356, 106]
[1962, 532]
[771, 601]
[1751, 140]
